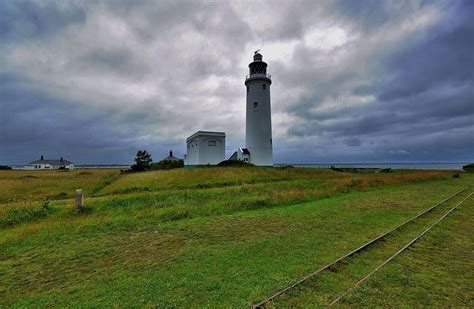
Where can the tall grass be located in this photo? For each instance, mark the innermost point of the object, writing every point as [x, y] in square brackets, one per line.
[181, 194]
[241, 189]
[17, 214]
[18, 186]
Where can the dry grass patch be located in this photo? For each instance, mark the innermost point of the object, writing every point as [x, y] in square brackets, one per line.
[25, 186]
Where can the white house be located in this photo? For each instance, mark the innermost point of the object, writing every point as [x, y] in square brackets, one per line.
[242, 154]
[43, 164]
[205, 147]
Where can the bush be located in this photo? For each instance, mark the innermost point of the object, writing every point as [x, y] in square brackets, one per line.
[469, 167]
[59, 196]
[143, 161]
[167, 165]
[284, 167]
[234, 163]
[13, 215]
[5, 168]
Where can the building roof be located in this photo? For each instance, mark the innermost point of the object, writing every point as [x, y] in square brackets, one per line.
[52, 162]
[206, 133]
[245, 151]
[171, 157]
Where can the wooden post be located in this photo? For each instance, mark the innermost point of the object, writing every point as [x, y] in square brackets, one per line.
[79, 200]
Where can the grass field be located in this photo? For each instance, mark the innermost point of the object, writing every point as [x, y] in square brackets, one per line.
[221, 237]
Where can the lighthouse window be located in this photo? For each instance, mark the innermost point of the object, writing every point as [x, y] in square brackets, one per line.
[255, 105]
[264, 86]
[211, 143]
[247, 88]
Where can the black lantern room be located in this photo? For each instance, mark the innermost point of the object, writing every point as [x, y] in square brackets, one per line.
[257, 66]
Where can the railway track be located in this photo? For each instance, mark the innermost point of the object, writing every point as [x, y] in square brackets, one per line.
[372, 243]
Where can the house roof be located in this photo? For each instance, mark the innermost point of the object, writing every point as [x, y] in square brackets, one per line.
[171, 157]
[245, 151]
[233, 156]
[52, 162]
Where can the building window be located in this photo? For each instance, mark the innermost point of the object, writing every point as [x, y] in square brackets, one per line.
[255, 105]
[211, 143]
[264, 87]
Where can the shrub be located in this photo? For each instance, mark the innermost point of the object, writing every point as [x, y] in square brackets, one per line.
[5, 168]
[469, 167]
[59, 196]
[167, 165]
[13, 215]
[143, 161]
[234, 163]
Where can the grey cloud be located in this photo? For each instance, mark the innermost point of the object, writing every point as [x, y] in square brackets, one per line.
[22, 20]
[145, 74]
[424, 89]
[119, 61]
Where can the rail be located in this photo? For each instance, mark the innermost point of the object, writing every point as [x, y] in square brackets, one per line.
[262, 303]
[340, 296]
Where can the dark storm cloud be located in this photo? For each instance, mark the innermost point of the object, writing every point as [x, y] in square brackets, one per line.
[33, 122]
[23, 20]
[118, 61]
[352, 81]
[424, 90]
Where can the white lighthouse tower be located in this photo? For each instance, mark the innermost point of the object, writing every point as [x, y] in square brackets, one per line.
[258, 137]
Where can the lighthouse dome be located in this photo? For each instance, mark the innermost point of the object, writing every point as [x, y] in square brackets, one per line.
[257, 56]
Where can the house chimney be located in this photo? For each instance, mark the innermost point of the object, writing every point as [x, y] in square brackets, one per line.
[42, 158]
[171, 153]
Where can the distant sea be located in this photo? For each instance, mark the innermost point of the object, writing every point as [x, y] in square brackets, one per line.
[409, 166]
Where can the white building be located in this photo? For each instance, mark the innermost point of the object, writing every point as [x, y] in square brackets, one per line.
[205, 147]
[242, 154]
[258, 129]
[43, 164]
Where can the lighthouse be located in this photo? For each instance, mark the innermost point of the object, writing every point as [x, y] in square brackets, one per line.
[208, 147]
[258, 128]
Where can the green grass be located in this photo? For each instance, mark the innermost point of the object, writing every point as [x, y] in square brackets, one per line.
[325, 287]
[437, 271]
[223, 237]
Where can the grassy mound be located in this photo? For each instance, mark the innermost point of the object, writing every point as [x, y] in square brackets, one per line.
[234, 163]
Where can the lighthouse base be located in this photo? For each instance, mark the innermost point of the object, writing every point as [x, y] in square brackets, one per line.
[261, 156]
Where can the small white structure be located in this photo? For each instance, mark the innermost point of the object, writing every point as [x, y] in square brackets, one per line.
[258, 129]
[205, 148]
[242, 154]
[43, 164]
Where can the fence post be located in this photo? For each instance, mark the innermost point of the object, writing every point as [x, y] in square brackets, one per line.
[79, 200]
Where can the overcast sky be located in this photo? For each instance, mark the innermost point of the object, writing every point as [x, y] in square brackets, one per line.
[353, 81]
